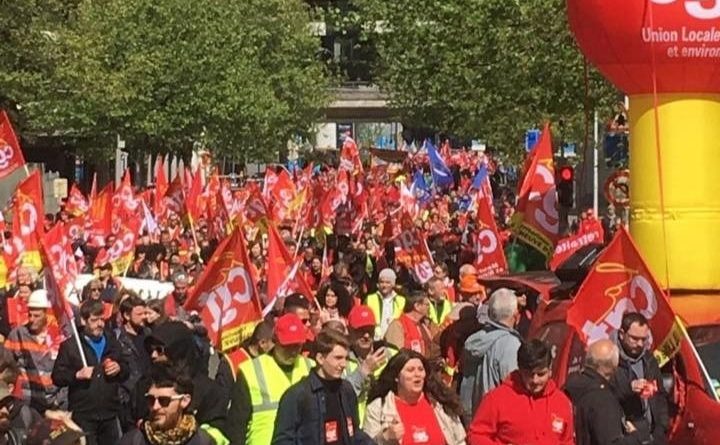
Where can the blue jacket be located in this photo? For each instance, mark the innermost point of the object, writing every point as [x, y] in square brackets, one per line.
[301, 415]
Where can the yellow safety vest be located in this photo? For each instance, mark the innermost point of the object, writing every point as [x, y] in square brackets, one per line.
[374, 302]
[436, 318]
[352, 365]
[267, 383]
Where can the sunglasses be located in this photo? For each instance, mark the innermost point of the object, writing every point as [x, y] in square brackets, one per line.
[164, 401]
[160, 349]
[95, 289]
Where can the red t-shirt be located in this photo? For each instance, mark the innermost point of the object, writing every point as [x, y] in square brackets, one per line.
[421, 425]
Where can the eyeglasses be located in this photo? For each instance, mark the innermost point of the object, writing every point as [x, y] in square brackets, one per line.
[95, 289]
[164, 401]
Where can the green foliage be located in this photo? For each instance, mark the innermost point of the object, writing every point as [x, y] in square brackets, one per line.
[486, 69]
[239, 77]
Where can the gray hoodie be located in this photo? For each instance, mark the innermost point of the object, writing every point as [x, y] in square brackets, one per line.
[490, 355]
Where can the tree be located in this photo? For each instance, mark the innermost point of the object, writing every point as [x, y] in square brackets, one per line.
[166, 75]
[487, 69]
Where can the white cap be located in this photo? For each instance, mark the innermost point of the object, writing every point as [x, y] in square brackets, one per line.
[39, 300]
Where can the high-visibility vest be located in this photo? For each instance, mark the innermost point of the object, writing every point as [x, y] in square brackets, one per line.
[353, 365]
[436, 318]
[375, 302]
[267, 383]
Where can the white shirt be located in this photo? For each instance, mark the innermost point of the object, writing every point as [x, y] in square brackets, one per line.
[387, 315]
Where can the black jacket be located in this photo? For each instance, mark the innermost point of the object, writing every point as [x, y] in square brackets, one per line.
[209, 402]
[97, 398]
[599, 417]
[301, 414]
[632, 404]
[137, 437]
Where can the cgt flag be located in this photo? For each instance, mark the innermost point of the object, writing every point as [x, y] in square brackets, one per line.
[621, 282]
[11, 157]
[226, 296]
[536, 221]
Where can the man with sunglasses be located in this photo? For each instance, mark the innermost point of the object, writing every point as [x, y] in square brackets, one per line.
[16, 418]
[93, 383]
[169, 419]
[638, 381]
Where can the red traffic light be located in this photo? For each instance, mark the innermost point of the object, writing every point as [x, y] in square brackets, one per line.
[567, 173]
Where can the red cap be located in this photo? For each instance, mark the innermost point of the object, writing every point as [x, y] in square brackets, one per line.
[290, 330]
[361, 317]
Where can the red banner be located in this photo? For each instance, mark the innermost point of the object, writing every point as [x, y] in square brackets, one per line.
[536, 221]
[567, 246]
[225, 294]
[11, 157]
[621, 282]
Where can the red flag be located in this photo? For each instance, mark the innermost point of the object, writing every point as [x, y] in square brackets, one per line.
[350, 156]
[60, 259]
[28, 214]
[120, 254]
[175, 196]
[193, 198]
[225, 294]
[76, 204]
[413, 250]
[11, 157]
[125, 205]
[100, 215]
[282, 276]
[571, 244]
[536, 221]
[161, 185]
[621, 282]
[490, 256]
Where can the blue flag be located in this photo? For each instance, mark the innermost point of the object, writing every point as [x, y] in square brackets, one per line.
[442, 177]
[479, 178]
[422, 191]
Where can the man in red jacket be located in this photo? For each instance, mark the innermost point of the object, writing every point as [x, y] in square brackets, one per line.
[527, 408]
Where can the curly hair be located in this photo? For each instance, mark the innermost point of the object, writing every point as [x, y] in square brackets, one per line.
[344, 300]
[434, 388]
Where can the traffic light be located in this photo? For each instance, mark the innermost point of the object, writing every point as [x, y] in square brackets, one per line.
[566, 186]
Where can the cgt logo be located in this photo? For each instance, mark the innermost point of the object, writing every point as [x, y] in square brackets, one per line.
[6, 154]
[696, 8]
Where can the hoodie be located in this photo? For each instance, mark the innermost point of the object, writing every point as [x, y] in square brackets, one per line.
[209, 402]
[509, 414]
[599, 418]
[490, 355]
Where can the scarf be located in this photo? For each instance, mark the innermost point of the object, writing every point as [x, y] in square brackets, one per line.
[179, 435]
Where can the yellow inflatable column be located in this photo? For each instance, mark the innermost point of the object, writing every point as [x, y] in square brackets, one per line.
[690, 152]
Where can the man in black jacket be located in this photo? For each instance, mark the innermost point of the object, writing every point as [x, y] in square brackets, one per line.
[93, 385]
[599, 418]
[172, 344]
[131, 335]
[638, 381]
[169, 419]
[321, 408]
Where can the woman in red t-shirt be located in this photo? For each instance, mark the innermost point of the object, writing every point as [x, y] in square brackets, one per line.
[409, 405]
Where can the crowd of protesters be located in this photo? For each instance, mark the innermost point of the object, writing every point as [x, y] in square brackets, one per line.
[375, 356]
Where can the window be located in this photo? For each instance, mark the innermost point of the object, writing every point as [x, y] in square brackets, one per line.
[707, 342]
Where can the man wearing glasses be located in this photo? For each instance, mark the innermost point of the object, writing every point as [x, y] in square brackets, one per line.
[169, 419]
[638, 381]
